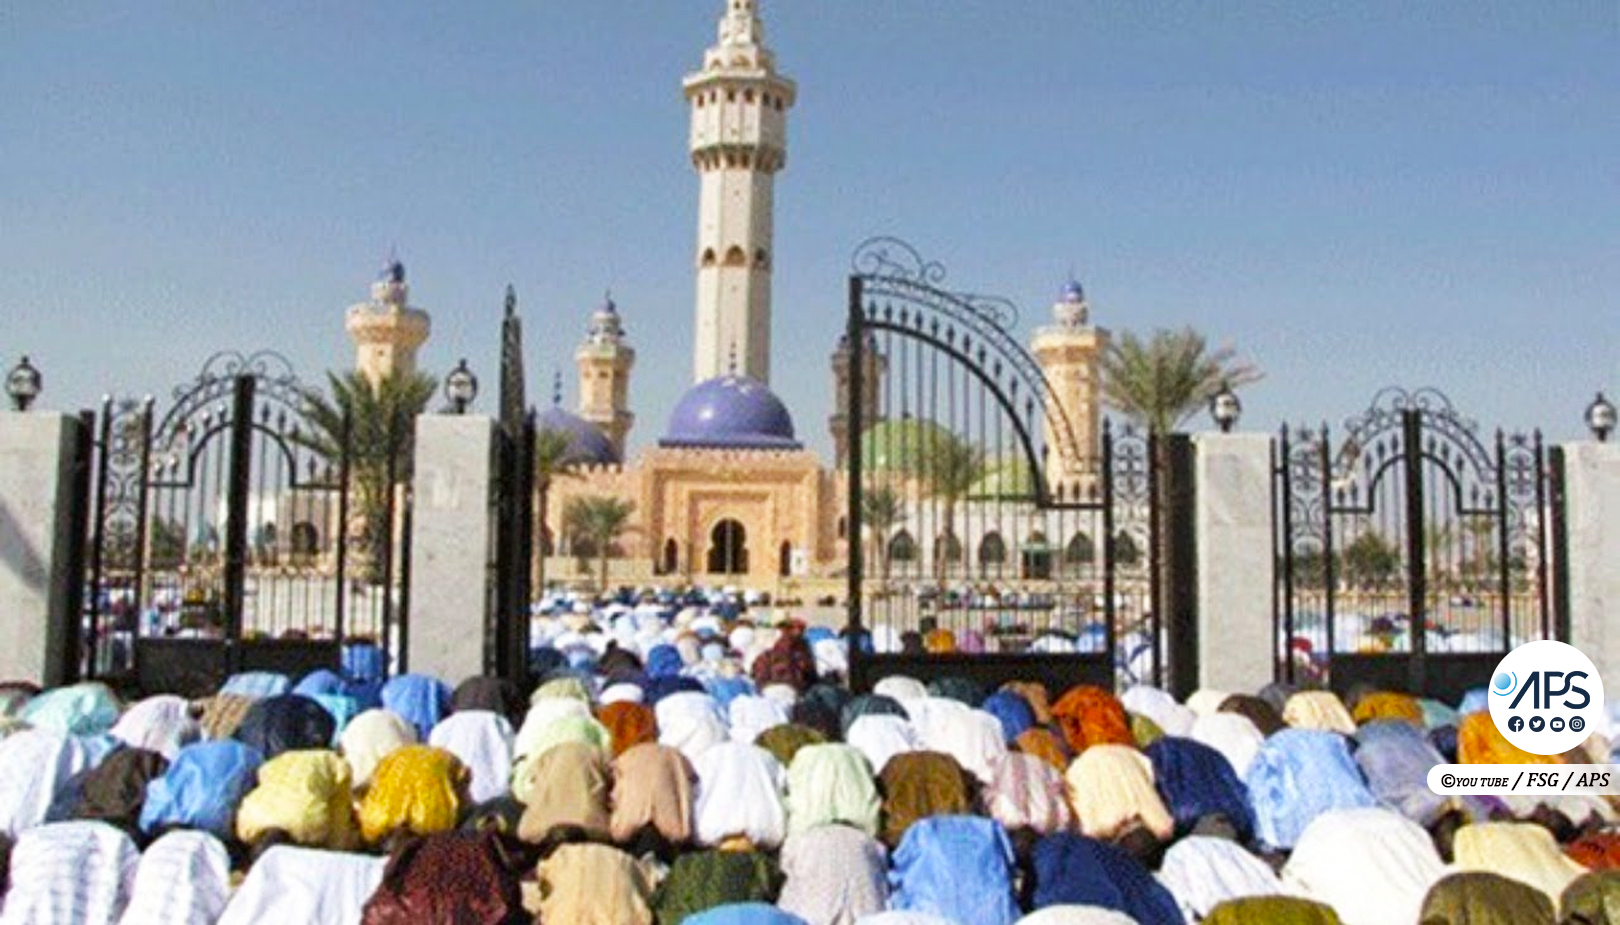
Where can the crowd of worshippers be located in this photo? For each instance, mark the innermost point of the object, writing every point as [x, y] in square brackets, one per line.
[702, 768]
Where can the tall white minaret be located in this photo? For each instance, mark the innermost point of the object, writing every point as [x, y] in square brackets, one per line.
[739, 141]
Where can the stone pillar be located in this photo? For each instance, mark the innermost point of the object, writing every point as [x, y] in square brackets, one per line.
[1236, 569]
[1591, 557]
[42, 460]
[452, 545]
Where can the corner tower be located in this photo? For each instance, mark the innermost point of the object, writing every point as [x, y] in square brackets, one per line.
[386, 331]
[1070, 354]
[739, 107]
[604, 361]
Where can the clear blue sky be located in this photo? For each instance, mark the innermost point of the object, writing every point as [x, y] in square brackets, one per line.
[1355, 194]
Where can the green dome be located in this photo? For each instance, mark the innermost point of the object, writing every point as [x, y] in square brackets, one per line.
[901, 447]
[1006, 478]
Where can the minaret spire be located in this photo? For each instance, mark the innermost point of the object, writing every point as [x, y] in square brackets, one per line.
[739, 105]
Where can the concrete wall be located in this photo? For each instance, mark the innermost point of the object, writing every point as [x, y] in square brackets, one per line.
[1236, 569]
[1592, 516]
[38, 460]
[452, 545]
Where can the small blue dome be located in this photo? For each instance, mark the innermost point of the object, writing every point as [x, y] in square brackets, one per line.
[734, 412]
[586, 444]
[1073, 293]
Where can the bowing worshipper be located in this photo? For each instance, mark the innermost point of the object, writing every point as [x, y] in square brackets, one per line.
[831, 783]
[1264, 716]
[835, 875]
[900, 688]
[751, 714]
[1012, 711]
[495, 695]
[83, 709]
[1171, 717]
[285, 723]
[70, 872]
[652, 800]
[200, 789]
[1071, 869]
[482, 741]
[1205, 701]
[114, 790]
[784, 742]
[882, 736]
[744, 914]
[162, 724]
[417, 790]
[222, 714]
[1028, 794]
[371, 737]
[1298, 775]
[1046, 745]
[1520, 850]
[1479, 898]
[790, 660]
[592, 884]
[1234, 735]
[628, 723]
[1272, 910]
[1592, 899]
[292, 884]
[702, 880]
[739, 797]
[956, 867]
[565, 793]
[452, 878]
[971, 736]
[183, 879]
[1372, 865]
[1202, 872]
[1388, 705]
[1111, 788]
[692, 722]
[1480, 742]
[1089, 715]
[1198, 783]
[1318, 710]
[306, 797]
[916, 785]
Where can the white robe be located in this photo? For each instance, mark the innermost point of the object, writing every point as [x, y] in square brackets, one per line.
[1373, 866]
[34, 764]
[739, 792]
[290, 884]
[161, 724]
[70, 873]
[483, 741]
[183, 879]
[881, 736]
[1201, 872]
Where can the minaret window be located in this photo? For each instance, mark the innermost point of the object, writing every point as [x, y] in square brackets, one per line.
[708, 257]
[748, 96]
[736, 258]
[760, 258]
[731, 96]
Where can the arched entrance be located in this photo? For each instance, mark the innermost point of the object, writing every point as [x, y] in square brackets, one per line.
[728, 548]
[672, 557]
[784, 560]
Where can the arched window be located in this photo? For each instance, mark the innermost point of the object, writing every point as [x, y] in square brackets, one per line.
[672, 557]
[748, 96]
[992, 550]
[728, 548]
[708, 256]
[947, 548]
[1080, 550]
[784, 560]
[1126, 552]
[1037, 557]
[761, 258]
[902, 548]
[735, 257]
[843, 528]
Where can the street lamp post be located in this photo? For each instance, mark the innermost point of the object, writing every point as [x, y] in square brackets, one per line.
[1600, 417]
[24, 384]
[1225, 408]
[460, 387]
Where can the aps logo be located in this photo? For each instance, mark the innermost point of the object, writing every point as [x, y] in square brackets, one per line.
[1546, 696]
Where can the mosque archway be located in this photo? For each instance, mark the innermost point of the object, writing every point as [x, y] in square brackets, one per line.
[992, 552]
[1080, 552]
[728, 548]
[784, 560]
[1037, 557]
[671, 562]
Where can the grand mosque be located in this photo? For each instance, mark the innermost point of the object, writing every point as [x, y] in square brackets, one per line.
[728, 495]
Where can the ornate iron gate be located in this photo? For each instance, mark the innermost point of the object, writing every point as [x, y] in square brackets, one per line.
[984, 540]
[239, 532]
[1411, 556]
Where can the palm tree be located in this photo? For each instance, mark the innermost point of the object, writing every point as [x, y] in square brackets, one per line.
[378, 418]
[550, 463]
[951, 467]
[881, 509]
[1168, 378]
[598, 519]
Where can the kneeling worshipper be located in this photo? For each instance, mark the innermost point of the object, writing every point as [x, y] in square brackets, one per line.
[835, 874]
[958, 867]
[1074, 869]
[1300, 774]
[1479, 898]
[593, 884]
[453, 878]
[71, 872]
[184, 878]
[739, 797]
[1523, 851]
[291, 884]
[1202, 872]
[1372, 865]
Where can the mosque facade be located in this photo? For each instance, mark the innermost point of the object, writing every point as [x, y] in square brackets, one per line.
[728, 495]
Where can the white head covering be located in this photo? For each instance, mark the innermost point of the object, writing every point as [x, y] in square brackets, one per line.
[371, 737]
[881, 736]
[183, 878]
[739, 793]
[783, 694]
[290, 884]
[483, 742]
[161, 724]
[973, 737]
[1160, 707]
[80, 872]
[900, 688]
[1202, 872]
[1233, 735]
[622, 693]
[34, 764]
[1373, 866]
[752, 714]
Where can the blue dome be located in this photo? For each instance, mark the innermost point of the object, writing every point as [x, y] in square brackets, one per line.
[731, 411]
[1073, 293]
[586, 444]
